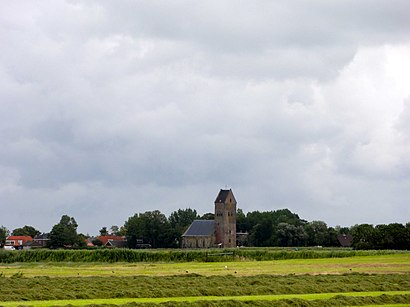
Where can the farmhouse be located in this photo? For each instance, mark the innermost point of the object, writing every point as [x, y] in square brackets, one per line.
[220, 232]
[17, 242]
[113, 241]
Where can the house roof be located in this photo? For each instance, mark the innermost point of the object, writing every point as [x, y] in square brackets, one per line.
[345, 240]
[24, 238]
[115, 243]
[200, 228]
[105, 239]
[222, 196]
[43, 236]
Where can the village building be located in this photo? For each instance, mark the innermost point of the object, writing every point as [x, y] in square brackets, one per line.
[113, 241]
[220, 232]
[345, 240]
[17, 242]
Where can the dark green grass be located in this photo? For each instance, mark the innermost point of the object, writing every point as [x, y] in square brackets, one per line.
[178, 255]
[44, 288]
[321, 299]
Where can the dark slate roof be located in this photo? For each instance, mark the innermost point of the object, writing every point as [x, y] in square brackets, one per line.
[200, 228]
[345, 240]
[114, 243]
[43, 236]
[223, 194]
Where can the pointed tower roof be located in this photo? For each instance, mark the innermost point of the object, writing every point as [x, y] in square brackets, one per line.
[223, 196]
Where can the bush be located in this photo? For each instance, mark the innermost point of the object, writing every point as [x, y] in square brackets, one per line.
[179, 255]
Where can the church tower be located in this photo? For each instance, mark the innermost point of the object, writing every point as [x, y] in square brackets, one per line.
[225, 219]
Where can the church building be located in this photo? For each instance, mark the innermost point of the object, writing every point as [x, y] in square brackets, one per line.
[220, 232]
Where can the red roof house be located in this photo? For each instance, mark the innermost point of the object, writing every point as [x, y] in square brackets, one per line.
[17, 241]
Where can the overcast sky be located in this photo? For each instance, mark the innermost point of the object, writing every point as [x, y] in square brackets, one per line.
[111, 108]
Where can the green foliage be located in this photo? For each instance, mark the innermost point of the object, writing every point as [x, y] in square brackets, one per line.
[391, 236]
[273, 228]
[177, 255]
[208, 216]
[152, 227]
[104, 231]
[290, 235]
[317, 232]
[26, 231]
[96, 242]
[64, 233]
[261, 234]
[181, 219]
[3, 235]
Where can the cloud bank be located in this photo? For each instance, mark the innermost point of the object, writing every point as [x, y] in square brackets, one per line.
[109, 109]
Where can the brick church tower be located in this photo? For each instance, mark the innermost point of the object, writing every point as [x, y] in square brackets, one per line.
[225, 219]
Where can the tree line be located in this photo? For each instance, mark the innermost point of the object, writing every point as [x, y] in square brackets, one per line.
[269, 228]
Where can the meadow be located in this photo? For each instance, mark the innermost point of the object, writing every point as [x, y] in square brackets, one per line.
[373, 279]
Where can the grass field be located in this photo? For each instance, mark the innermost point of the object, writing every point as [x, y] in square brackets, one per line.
[192, 299]
[367, 280]
[386, 264]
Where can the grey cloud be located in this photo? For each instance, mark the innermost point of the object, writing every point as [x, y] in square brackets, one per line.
[126, 107]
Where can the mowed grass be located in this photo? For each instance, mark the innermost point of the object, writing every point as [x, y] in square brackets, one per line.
[384, 264]
[246, 298]
[359, 280]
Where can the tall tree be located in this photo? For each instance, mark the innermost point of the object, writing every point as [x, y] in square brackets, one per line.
[363, 236]
[317, 233]
[3, 235]
[290, 235]
[242, 223]
[152, 227]
[180, 220]
[208, 216]
[64, 233]
[117, 231]
[261, 233]
[26, 231]
[391, 236]
[104, 231]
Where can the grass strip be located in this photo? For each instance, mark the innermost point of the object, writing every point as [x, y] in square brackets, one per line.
[382, 264]
[61, 288]
[158, 300]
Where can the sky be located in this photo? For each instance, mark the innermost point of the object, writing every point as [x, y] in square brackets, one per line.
[112, 108]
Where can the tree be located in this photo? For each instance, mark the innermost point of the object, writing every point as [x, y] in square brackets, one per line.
[180, 220]
[183, 217]
[104, 231]
[26, 231]
[317, 233]
[391, 236]
[207, 216]
[290, 235]
[96, 242]
[363, 236]
[242, 224]
[117, 231]
[152, 227]
[261, 233]
[81, 240]
[3, 235]
[342, 230]
[64, 233]
[331, 238]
